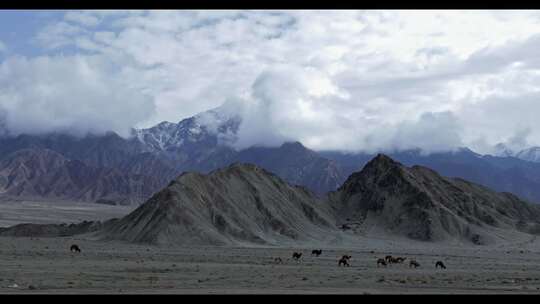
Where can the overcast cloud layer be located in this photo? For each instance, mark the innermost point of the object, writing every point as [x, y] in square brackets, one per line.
[346, 80]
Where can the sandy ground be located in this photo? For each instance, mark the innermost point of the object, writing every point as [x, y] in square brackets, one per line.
[45, 265]
[14, 212]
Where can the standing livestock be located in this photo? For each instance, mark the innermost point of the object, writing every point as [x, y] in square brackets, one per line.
[440, 264]
[74, 248]
[297, 255]
[316, 252]
[414, 263]
[344, 260]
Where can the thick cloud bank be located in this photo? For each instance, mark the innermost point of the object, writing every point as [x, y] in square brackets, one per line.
[346, 80]
[72, 94]
[301, 104]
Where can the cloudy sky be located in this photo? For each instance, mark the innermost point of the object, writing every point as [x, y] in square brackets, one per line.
[348, 80]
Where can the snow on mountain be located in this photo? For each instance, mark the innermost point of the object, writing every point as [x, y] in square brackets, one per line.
[162, 136]
[530, 154]
[503, 150]
[168, 136]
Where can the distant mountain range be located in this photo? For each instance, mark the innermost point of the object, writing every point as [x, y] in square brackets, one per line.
[245, 204]
[156, 155]
[43, 173]
[111, 169]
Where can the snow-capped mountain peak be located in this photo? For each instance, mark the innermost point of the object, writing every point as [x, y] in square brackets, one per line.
[503, 150]
[210, 125]
[530, 154]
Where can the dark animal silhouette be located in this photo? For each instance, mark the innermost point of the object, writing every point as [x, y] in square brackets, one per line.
[394, 260]
[381, 262]
[297, 255]
[74, 248]
[345, 227]
[414, 263]
[316, 252]
[400, 260]
[440, 264]
[344, 260]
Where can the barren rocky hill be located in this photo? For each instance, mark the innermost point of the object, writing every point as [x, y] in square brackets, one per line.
[502, 174]
[245, 204]
[44, 173]
[297, 165]
[387, 197]
[238, 204]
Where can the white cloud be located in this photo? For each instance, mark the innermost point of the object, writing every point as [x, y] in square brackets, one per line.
[74, 94]
[331, 79]
[58, 35]
[432, 132]
[294, 104]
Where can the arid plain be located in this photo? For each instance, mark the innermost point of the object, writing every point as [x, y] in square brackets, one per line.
[46, 265]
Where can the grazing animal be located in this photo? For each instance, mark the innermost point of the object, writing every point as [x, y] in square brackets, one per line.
[344, 260]
[392, 260]
[381, 262]
[297, 255]
[400, 259]
[440, 264]
[74, 248]
[278, 260]
[414, 263]
[316, 252]
[345, 227]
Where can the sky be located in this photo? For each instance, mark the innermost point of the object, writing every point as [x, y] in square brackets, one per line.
[333, 80]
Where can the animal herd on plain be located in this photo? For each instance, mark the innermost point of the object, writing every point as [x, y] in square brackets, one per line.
[344, 260]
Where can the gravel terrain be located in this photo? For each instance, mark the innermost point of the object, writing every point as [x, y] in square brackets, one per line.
[45, 265]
